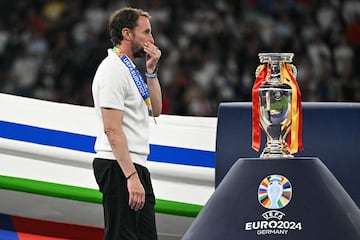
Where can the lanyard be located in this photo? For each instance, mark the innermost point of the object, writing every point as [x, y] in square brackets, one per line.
[138, 80]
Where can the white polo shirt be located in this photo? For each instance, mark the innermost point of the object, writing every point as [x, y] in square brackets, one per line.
[113, 87]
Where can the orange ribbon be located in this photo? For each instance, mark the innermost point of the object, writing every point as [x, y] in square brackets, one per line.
[295, 139]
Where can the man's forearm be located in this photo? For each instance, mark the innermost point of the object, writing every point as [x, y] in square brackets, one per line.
[155, 95]
[118, 143]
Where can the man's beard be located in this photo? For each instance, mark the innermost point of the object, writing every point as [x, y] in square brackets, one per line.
[139, 53]
[138, 50]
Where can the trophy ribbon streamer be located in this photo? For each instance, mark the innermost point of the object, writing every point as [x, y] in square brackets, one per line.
[256, 130]
[295, 139]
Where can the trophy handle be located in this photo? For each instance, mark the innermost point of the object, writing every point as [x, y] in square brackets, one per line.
[257, 71]
[294, 69]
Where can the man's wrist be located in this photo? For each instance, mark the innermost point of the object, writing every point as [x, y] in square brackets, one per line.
[153, 74]
[131, 174]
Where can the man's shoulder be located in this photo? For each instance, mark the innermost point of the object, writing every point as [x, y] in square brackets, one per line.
[110, 59]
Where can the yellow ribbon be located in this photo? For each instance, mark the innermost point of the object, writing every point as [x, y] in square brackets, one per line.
[295, 116]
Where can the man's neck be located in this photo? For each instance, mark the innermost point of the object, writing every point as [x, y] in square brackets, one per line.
[126, 50]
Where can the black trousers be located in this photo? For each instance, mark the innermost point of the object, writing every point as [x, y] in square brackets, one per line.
[121, 222]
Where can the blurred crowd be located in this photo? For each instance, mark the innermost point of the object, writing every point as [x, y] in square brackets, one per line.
[49, 49]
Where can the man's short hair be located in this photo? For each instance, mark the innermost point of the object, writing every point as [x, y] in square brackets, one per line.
[124, 18]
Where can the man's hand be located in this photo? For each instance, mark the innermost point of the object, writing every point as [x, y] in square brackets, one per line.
[153, 55]
[136, 193]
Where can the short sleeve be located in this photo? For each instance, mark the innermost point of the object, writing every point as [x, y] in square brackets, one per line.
[113, 87]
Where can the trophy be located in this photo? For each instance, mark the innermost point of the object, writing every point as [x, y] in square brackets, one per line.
[276, 106]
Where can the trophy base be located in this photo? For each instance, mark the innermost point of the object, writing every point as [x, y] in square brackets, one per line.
[275, 155]
[276, 149]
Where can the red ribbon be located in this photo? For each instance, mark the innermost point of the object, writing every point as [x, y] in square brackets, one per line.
[256, 130]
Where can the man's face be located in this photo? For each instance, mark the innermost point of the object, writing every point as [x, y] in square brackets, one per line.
[142, 34]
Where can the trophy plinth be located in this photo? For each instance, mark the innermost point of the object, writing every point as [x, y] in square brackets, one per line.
[272, 199]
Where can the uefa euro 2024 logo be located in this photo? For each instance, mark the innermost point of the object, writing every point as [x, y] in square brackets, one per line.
[274, 192]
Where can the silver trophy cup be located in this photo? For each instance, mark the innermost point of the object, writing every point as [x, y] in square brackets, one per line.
[275, 100]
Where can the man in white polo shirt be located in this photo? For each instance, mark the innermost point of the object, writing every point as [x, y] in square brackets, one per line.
[123, 101]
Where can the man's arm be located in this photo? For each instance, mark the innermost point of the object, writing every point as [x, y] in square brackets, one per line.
[155, 95]
[152, 58]
[112, 120]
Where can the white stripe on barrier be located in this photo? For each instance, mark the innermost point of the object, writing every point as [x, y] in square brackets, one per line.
[178, 131]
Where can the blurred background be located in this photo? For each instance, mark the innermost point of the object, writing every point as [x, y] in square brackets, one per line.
[50, 49]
